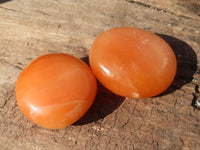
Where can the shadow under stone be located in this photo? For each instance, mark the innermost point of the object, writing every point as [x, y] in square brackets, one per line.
[186, 63]
[104, 104]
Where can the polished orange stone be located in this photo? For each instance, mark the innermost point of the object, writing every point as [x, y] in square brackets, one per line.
[132, 62]
[55, 90]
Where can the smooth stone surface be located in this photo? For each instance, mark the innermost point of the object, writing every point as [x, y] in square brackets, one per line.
[132, 62]
[55, 90]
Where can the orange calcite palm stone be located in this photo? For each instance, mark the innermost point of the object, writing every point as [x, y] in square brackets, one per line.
[55, 90]
[132, 62]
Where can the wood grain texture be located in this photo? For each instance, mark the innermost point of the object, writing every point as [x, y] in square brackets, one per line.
[32, 28]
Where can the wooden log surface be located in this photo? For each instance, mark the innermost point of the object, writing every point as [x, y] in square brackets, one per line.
[32, 28]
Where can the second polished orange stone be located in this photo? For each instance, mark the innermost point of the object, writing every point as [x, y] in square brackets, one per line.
[132, 62]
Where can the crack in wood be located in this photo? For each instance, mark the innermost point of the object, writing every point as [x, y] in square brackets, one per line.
[8, 99]
[155, 144]
[43, 13]
[123, 126]
[13, 10]
[196, 98]
[16, 66]
[158, 9]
